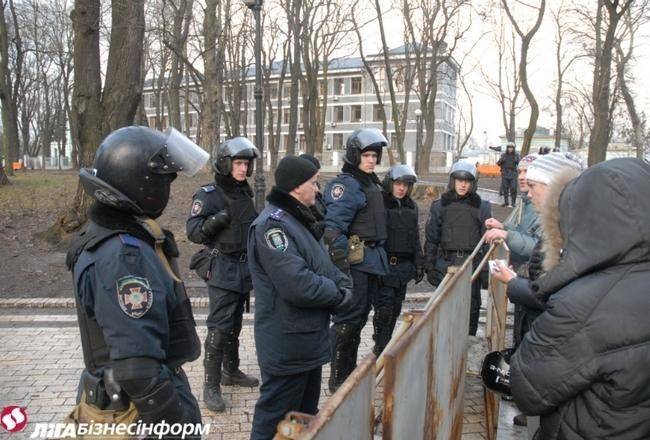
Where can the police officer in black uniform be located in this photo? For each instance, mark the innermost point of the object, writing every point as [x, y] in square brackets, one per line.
[455, 226]
[405, 257]
[135, 319]
[220, 216]
[296, 289]
[355, 229]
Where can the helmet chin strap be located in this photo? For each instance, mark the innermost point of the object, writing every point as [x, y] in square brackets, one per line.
[152, 227]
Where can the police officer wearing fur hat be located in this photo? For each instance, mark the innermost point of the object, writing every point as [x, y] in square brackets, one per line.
[219, 219]
[455, 226]
[355, 230]
[297, 287]
[404, 252]
[135, 319]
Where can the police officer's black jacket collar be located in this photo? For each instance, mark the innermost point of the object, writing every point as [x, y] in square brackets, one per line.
[451, 196]
[300, 212]
[390, 201]
[230, 184]
[364, 178]
[116, 220]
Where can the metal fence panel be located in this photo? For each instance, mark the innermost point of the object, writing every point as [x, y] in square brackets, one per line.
[349, 413]
[425, 370]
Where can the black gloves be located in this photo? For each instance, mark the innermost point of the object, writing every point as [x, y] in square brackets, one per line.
[419, 274]
[215, 223]
[346, 302]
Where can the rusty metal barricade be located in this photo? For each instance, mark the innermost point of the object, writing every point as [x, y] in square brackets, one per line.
[423, 370]
[347, 414]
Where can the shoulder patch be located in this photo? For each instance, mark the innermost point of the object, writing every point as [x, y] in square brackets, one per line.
[197, 207]
[337, 191]
[208, 188]
[129, 240]
[134, 295]
[277, 214]
[276, 239]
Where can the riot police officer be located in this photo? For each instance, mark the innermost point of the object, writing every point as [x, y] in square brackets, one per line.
[508, 163]
[135, 319]
[455, 226]
[297, 287]
[405, 257]
[220, 216]
[355, 229]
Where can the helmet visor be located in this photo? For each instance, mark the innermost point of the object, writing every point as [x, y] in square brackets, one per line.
[187, 157]
[371, 137]
[404, 173]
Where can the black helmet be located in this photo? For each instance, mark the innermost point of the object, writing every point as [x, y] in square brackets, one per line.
[235, 148]
[401, 172]
[362, 140]
[510, 145]
[465, 171]
[495, 371]
[134, 167]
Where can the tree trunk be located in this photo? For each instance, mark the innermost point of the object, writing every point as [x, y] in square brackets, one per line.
[600, 135]
[212, 84]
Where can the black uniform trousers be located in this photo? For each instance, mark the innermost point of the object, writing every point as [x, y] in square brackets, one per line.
[281, 394]
[365, 289]
[226, 310]
[509, 189]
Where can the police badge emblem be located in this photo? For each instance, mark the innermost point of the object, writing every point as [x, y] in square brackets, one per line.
[197, 207]
[276, 239]
[134, 296]
[337, 191]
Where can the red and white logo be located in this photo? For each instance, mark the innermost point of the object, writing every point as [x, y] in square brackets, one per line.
[13, 418]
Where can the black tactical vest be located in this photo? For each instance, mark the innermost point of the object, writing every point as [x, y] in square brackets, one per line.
[461, 227]
[402, 231]
[370, 222]
[234, 237]
[184, 344]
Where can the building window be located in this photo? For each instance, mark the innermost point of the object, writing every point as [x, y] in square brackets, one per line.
[393, 139]
[337, 113]
[323, 88]
[356, 85]
[303, 144]
[285, 113]
[376, 112]
[337, 141]
[273, 90]
[356, 113]
[339, 86]
[194, 120]
[286, 91]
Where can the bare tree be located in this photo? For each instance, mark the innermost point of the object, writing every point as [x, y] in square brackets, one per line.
[564, 58]
[433, 30]
[10, 80]
[608, 16]
[634, 18]
[507, 87]
[99, 111]
[526, 39]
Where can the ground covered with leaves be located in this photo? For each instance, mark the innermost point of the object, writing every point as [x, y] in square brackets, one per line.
[31, 266]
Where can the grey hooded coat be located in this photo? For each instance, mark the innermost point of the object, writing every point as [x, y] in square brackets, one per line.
[585, 364]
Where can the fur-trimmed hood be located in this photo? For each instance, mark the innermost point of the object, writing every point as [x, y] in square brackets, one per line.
[596, 220]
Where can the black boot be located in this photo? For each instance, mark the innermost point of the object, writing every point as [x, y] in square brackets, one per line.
[344, 359]
[212, 365]
[383, 330]
[231, 374]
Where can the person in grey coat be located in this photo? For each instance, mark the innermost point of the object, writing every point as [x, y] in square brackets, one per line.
[583, 366]
[297, 288]
[519, 231]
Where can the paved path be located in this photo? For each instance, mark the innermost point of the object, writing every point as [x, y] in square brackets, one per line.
[40, 364]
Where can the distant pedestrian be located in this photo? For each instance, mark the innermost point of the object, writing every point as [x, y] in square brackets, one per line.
[508, 163]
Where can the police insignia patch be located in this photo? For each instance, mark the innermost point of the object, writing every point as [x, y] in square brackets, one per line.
[197, 207]
[134, 296]
[276, 239]
[337, 191]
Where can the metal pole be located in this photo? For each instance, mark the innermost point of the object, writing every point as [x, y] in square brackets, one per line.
[418, 135]
[260, 181]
